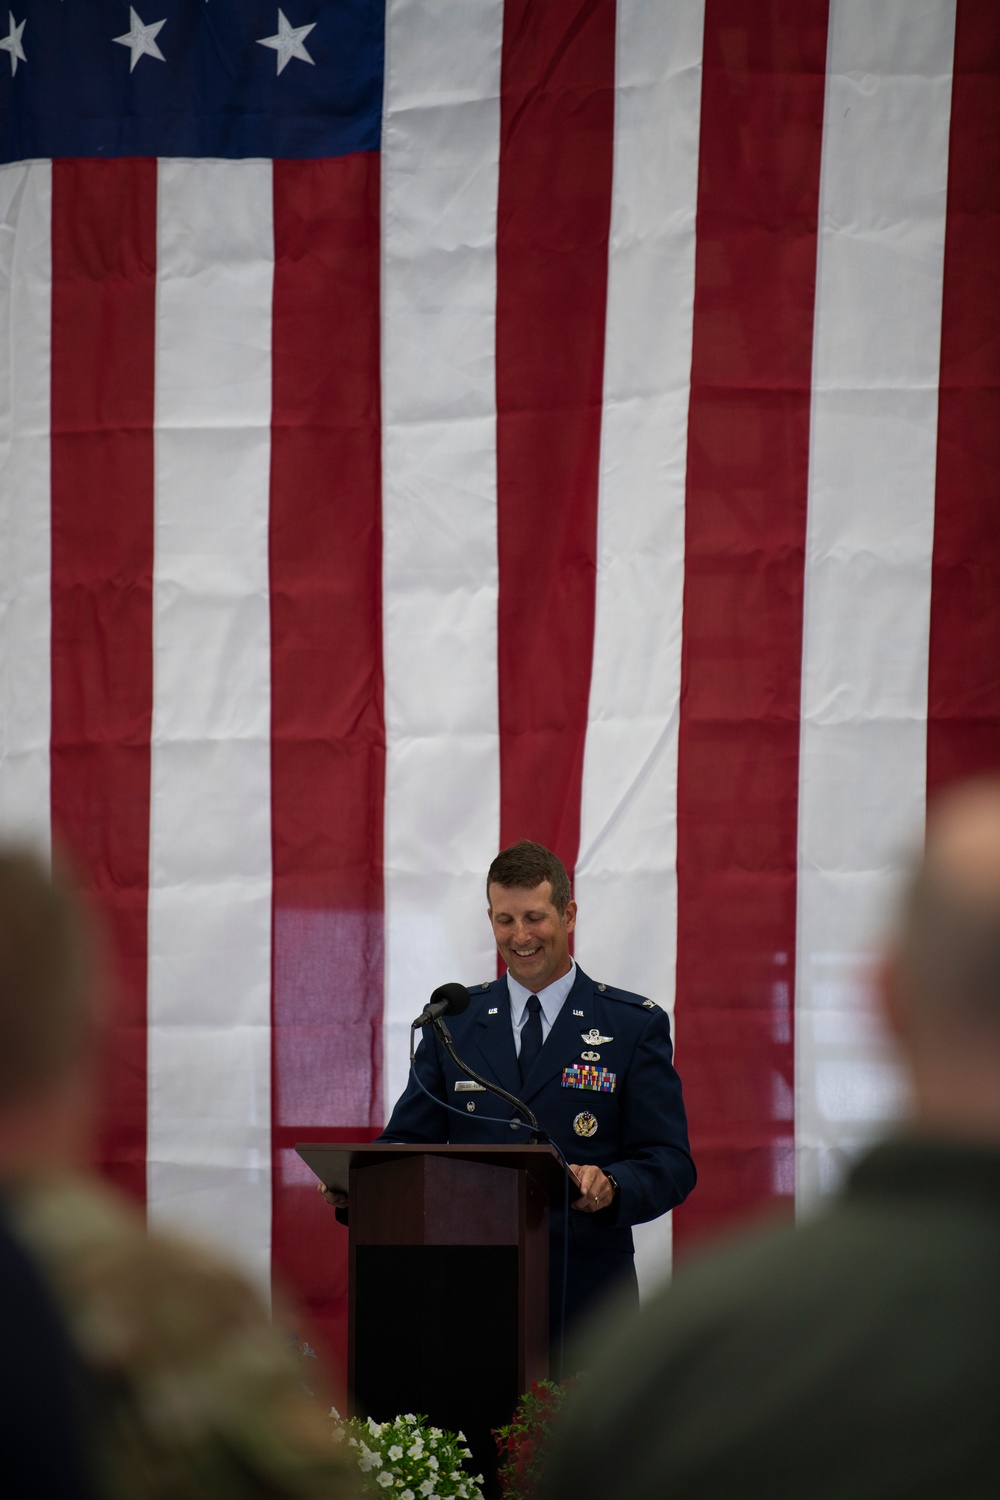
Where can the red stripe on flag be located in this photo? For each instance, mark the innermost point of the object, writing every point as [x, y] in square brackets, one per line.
[103, 328]
[963, 729]
[328, 731]
[748, 452]
[556, 143]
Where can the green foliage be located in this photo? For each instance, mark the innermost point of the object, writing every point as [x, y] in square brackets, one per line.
[523, 1444]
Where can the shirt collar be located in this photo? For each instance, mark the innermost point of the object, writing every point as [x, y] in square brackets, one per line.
[551, 998]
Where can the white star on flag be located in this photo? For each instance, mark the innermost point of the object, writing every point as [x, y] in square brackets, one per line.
[141, 39]
[288, 42]
[12, 44]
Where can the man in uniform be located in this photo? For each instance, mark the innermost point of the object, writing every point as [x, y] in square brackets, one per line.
[593, 1062]
[858, 1355]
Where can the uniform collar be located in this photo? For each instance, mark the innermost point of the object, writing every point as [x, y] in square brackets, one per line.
[552, 997]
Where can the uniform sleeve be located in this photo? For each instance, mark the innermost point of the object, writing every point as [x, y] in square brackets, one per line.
[415, 1117]
[655, 1172]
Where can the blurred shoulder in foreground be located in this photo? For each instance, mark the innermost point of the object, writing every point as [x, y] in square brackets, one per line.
[185, 1388]
[858, 1355]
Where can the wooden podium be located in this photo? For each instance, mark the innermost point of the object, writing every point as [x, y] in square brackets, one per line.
[449, 1276]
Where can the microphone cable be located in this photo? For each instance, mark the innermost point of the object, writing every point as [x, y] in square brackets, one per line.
[463, 1114]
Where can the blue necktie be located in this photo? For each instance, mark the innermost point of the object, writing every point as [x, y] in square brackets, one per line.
[531, 1036]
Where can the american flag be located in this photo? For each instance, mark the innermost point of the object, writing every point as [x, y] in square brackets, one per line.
[428, 423]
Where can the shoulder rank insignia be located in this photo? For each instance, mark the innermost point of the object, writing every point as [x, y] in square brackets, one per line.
[586, 1076]
[593, 1037]
[650, 1005]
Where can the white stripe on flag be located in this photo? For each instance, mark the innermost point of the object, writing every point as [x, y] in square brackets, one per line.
[25, 508]
[439, 205]
[210, 855]
[869, 544]
[626, 879]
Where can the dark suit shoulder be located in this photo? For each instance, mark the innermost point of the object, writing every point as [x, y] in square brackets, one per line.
[484, 997]
[487, 992]
[612, 992]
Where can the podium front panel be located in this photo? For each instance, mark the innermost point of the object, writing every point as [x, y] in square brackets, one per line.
[435, 1200]
[440, 1334]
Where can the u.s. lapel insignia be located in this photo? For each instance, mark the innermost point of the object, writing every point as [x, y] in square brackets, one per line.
[578, 1013]
[585, 1124]
[591, 1056]
[593, 1037]
[493, 1011]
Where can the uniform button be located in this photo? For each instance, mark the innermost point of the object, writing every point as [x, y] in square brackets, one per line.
[515, 1124]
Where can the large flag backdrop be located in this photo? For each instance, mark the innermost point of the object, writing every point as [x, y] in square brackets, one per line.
[426, 423]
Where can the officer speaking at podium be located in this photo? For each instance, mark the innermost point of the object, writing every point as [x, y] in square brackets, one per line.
[593, 1062]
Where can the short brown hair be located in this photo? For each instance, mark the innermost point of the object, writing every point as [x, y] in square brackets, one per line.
[525, 865]
[44, 974]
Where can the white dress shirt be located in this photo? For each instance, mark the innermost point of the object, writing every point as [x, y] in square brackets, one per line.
[551, 999]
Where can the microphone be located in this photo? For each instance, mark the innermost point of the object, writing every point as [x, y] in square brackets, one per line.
[447, 1000]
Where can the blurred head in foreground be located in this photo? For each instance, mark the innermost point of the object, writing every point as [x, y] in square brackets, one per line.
[175, 1382]
[860, 1353]
[941, 979]
[49, 1021]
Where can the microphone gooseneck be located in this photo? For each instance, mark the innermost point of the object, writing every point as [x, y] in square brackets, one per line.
[451, 1000]
[538, 1135]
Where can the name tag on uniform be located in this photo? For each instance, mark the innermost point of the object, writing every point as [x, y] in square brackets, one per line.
[466, 1086]
[584, 1076]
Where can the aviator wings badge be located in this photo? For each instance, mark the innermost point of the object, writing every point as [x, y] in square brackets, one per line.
[593, 1037]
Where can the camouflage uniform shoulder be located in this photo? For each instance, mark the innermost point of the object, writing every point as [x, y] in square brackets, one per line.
[197, 1393]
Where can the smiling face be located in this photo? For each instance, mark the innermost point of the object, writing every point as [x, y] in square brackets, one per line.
[531, 936]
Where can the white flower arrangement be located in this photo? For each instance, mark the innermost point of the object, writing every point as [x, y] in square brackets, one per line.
[415, 1461]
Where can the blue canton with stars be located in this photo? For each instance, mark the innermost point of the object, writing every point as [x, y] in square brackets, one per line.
[189, 78]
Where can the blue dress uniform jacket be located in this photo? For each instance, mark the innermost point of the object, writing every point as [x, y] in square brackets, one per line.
[631, 1125]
